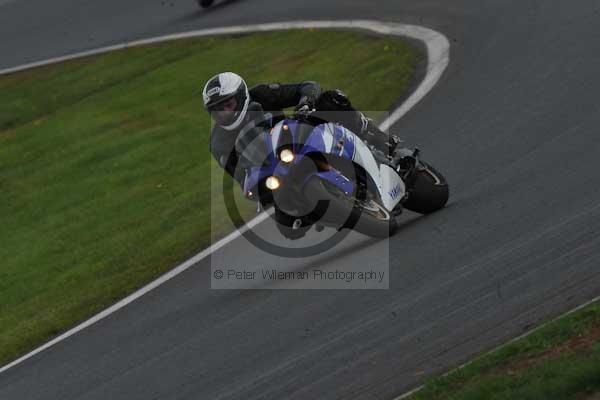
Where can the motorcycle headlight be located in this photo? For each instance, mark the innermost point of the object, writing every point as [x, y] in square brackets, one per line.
[286, 155]
[272, 183]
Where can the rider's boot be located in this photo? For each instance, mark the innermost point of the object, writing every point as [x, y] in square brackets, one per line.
[404, 160]
[383, 141]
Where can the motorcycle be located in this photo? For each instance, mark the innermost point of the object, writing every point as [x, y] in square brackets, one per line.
[319, 173]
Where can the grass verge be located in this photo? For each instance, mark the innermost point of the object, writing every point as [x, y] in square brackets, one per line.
[105, 168]
[559, 361]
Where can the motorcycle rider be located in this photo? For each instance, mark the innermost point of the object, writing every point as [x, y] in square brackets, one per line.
[232, 105]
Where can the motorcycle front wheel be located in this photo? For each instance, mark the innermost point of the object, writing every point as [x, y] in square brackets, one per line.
[366, 216]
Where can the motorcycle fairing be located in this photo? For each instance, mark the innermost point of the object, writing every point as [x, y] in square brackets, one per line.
[335, 139]
[328, 138]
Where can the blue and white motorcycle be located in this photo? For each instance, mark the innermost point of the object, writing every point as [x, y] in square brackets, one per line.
[323, 174]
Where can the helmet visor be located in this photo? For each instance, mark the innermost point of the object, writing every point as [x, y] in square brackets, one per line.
[225, 112]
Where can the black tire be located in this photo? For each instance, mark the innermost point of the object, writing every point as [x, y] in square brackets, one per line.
[205, 3]
[429, 191]
[380, 223]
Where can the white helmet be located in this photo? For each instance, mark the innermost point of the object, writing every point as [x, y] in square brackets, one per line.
[226, 98]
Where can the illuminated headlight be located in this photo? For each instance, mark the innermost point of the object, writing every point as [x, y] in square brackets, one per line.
[286, 155]
[272, 182]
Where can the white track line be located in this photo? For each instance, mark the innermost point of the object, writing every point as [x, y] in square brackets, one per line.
[438, 53]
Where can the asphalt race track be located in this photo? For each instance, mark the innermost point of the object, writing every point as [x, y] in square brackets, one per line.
[513, 125]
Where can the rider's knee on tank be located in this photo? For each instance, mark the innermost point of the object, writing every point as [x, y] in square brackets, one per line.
[336, 107]
[334, 100]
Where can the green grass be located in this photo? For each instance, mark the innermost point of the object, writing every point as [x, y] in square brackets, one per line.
[105, 178]
[559, 361]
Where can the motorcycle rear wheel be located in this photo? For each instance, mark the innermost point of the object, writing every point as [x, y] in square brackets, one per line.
[429, 191]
